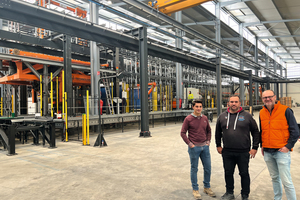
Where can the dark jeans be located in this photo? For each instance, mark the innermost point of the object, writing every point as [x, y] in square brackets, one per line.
[230, 160]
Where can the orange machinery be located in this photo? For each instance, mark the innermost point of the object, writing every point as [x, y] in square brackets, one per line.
[171, 6]
[253, 88]
[24, 76]
[153, 84]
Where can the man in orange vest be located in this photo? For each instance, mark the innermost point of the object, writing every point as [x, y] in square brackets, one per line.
[279, 133]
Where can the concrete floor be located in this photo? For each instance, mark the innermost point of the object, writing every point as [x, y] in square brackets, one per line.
[128, 168]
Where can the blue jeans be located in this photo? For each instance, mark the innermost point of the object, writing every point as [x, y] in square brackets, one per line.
[204, 154]
[278, 164]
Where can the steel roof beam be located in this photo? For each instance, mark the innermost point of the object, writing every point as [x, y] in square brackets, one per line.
[285, 81]
[276, 36]
[273, 47]
[227, 3]
[289, 54]
[286, 59]
[288, 28]
[208, 23]
[232, 39]
[233, 9]
[269, 22]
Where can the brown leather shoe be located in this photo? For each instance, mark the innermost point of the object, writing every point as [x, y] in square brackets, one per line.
[209, 192]
[196, 194]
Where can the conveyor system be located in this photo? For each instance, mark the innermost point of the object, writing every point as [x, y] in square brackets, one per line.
[76, 122]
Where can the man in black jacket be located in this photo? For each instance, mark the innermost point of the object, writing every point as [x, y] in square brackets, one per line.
[234, 127]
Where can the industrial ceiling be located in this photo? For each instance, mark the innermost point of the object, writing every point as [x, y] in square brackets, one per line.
[275, 23]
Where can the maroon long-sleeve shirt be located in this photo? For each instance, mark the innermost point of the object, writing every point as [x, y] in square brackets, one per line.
[199, 131]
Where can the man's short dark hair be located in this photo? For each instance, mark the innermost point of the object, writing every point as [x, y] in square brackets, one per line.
[234, 95]
[196, 101]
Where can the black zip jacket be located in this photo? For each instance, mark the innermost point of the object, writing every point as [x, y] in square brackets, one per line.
[233, 129]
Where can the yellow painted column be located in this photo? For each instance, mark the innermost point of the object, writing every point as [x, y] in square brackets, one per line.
[132, 97]
[171, 97]
[1, 106]
[160, 97]
[51, 96]
[167, 98]
[112, 97]
[154, 99]
[66, 107]
[63, 93]
[84, 129]
[41, 94]
[88, 118]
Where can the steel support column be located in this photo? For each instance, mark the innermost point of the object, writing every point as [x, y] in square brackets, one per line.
[250, 92]
[218, 61]
[68, 72]
[95, 61]
[286, 87]
[116, 81]
[267, 60]
[241, 47]
[256, 71]
[268, 83]
[276, 89]
[1, 21]
[143, 53]
[281, 84]
[219, 83]
[178, 44]
[23, 99]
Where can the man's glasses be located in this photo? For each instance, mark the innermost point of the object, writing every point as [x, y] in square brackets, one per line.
[269, 97]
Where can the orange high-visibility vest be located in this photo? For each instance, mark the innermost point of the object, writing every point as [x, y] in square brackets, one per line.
[274, 127]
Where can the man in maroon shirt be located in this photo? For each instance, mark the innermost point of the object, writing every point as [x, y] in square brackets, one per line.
[198, 140]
